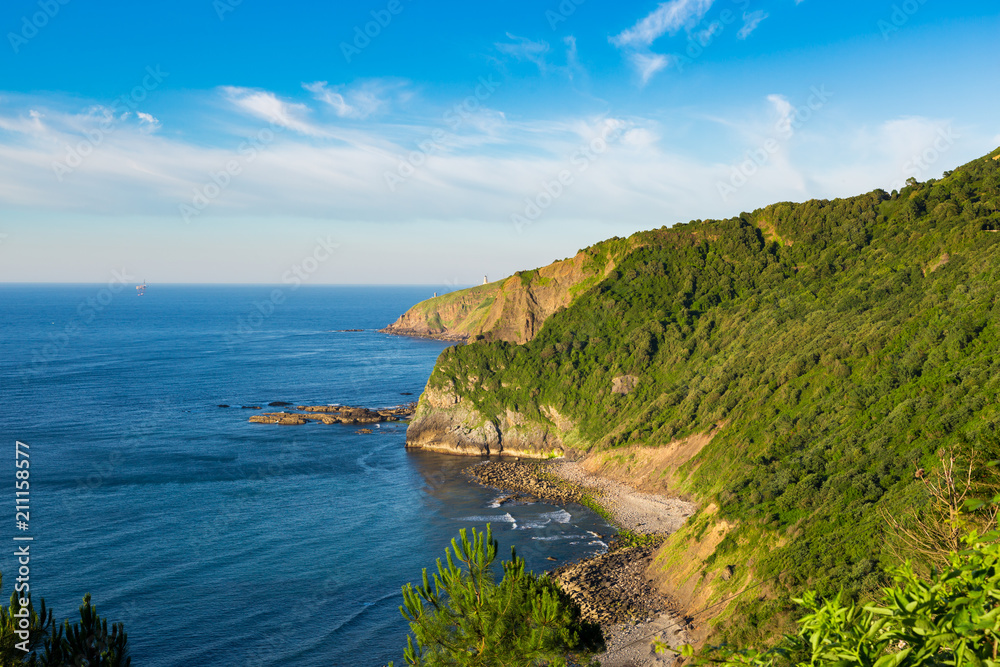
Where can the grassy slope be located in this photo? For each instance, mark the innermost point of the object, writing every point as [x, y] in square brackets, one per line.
[840, 342]
[461, 312]
[514, 308]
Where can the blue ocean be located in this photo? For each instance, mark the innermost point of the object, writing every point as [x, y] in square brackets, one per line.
[214, 540]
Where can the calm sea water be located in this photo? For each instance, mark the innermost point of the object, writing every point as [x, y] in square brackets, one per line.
[217, 541]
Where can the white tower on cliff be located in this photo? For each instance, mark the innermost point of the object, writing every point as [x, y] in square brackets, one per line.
[485, 280]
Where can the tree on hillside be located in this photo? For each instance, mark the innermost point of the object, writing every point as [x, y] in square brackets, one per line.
[467, 618]
[956, 492]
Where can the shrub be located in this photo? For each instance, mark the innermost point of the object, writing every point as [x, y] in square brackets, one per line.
[467, 618]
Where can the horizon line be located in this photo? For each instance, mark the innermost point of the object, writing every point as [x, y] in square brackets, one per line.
[247, 284]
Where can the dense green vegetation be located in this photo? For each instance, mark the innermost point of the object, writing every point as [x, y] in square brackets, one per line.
[467, 618]
[839, 345]
[951, 618]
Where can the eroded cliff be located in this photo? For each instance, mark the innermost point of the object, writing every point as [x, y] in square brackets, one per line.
[444, 422]
[512, 309]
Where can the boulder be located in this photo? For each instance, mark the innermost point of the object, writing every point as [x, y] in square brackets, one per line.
[624, 384]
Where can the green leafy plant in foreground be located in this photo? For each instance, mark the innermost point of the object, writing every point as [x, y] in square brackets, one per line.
[467, 618]
[952, 618]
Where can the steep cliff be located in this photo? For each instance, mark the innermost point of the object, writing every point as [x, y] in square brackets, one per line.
[513, 309]
[444, 422]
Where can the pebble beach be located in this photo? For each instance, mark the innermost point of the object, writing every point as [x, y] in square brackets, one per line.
[612, 589]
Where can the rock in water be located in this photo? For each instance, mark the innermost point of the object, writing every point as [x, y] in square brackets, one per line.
[336, 414]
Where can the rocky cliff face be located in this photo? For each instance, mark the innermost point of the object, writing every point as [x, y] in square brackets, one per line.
[445, 423]
[512, 309]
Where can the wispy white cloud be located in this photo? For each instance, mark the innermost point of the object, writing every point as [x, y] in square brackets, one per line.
[482, 176]
[572, 56]
[704, 37]
[361, 100]
[524, 49]
[668, 18]
[148, 121]
[648, 64]
[750, 22]
[785, 111]
[266, 106]
[32, 124]
[887, 153]
[336, 100]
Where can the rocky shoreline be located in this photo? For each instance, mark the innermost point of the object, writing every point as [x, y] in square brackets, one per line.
[527, 480]
[335, 414]
[612, 589]
[413, 333]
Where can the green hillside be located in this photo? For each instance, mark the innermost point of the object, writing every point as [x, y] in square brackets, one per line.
[834, 346]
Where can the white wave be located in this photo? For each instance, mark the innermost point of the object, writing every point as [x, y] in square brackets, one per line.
[501, 518]
[559, 516]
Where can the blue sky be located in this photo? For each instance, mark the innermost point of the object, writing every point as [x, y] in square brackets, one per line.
[410, 141]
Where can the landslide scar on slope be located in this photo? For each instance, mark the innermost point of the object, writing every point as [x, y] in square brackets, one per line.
[648, 468]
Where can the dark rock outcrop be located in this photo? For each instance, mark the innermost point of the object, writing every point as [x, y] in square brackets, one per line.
[335, 414]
